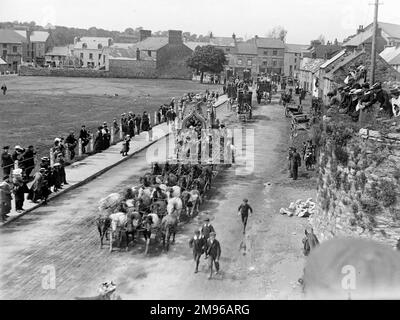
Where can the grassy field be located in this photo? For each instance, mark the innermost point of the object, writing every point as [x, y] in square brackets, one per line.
[38, 109]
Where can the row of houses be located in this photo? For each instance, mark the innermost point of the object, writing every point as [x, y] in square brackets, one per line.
[320, 75]
[18, 46]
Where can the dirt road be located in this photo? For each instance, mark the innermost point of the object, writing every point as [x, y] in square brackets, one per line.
[263, 264]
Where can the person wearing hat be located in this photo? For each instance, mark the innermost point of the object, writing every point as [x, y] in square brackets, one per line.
[213, 253]
[71, 144]
[243, 211]
[35, 192]
[295, 163]
[131, 126]
[207, 228]
[125, 145]
[85, 138]
[5, 198]
[382, 97]
[197, 243]
[395, 101]
[29, 161]
[98, 141]
[106, 136]
[7, 162]
[138, 123]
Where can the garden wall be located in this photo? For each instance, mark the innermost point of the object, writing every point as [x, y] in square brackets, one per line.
[359, 183]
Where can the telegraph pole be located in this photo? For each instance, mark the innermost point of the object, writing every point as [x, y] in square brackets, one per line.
[374, 36]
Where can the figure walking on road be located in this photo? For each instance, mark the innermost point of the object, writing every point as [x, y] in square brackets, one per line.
[295, 163]
[243, 210]
[197, 243]
[207, 228]
[213, 253]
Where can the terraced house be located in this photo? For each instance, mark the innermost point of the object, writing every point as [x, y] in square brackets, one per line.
[11, 44]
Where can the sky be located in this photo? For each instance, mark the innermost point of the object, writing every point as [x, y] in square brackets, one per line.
[303, 19]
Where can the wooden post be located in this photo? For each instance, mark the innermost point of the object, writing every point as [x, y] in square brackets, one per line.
[112, 134]
[120, 132]
[150, 134]
[15, 164]
[155, 118]
[51, 158]
[92, 143]
[79, 147]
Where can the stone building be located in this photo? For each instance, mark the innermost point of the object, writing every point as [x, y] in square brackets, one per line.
[270, 55]
[35, 46]
[11, 44]
[388, 35]
[308, 77]
[92, 51]
[57, 56]
[293, 55]
[152, 57]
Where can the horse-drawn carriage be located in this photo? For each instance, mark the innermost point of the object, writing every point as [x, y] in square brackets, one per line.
[292, 109]
[264, 91]
[244, 105]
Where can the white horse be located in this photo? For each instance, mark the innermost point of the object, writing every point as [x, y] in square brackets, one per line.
[175, 206]
[195, 200]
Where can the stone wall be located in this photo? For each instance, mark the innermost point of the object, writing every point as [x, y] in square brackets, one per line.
[358, 186]
[65, 72]
[133, 69]
[171, 62]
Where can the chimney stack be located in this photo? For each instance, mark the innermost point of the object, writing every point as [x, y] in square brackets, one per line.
[360, 29]
[175, 37]
[143, 34]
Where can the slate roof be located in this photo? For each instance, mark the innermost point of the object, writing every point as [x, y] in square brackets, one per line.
[391, 55]
[10, 36]
[36, 36]
[151, 43]
[246, 48]
[122, 51]
[223, 41]
[92, 42]
[60, 51]
[192, 45]
[333, 59]
[344, 62]
[391, 29]
[312, 65]
[269, 43]
[297, 48]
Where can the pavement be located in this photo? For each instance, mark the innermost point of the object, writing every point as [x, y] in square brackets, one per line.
[54, 253]
[83, 171]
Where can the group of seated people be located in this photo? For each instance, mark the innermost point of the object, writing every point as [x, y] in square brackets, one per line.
[355, 97]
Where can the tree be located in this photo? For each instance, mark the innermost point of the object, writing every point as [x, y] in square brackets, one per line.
[129, 31]
[278, 32]
[207, 59]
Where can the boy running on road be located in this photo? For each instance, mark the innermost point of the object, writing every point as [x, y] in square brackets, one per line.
[243, 210]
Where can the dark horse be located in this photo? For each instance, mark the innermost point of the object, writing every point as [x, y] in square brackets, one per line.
[169, 225]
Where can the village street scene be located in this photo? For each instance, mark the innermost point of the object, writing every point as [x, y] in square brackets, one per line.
[237, 158]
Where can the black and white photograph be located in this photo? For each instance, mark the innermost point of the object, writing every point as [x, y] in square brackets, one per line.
[183, 150]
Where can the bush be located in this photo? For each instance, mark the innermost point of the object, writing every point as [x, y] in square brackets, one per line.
[354, 207]
[387, 193]
[341, 155]
[370, 206]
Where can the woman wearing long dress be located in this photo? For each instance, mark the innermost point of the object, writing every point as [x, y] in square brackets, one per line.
[98, 141]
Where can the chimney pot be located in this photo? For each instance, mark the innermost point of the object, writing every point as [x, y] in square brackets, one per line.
[143, 34]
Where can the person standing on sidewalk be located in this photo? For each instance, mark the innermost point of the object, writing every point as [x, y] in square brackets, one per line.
[138, 122]
[243, 211]
[213, 253]
[5, 198]
[197, 243]
[7, 162]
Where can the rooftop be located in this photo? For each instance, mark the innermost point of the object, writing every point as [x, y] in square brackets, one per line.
[297, 48]
[268, 43]
[390, 29]
[122, 51]
[194, 44]
[10, 36]
[311, 65]
[92, 42]
[223, 41]
[151, 43]
[391, 55]
[36, 36]
[246, 48]
[333, 59]
[60, 51]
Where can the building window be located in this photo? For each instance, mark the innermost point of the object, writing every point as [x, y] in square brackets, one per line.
[266, 52]
[99, 56]
[81, 55]
[274, 63]
[275, 52]
[149, 53]
[227, 49]
[84, 46]
[265, 62]
[90, 55]
[295, 60]
[4, 45]
[99, 46]
[15, 49]
[249, 62]
[239, 61]
[4, 53]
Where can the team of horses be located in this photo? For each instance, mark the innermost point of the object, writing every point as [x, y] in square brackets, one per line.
[155, 206]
